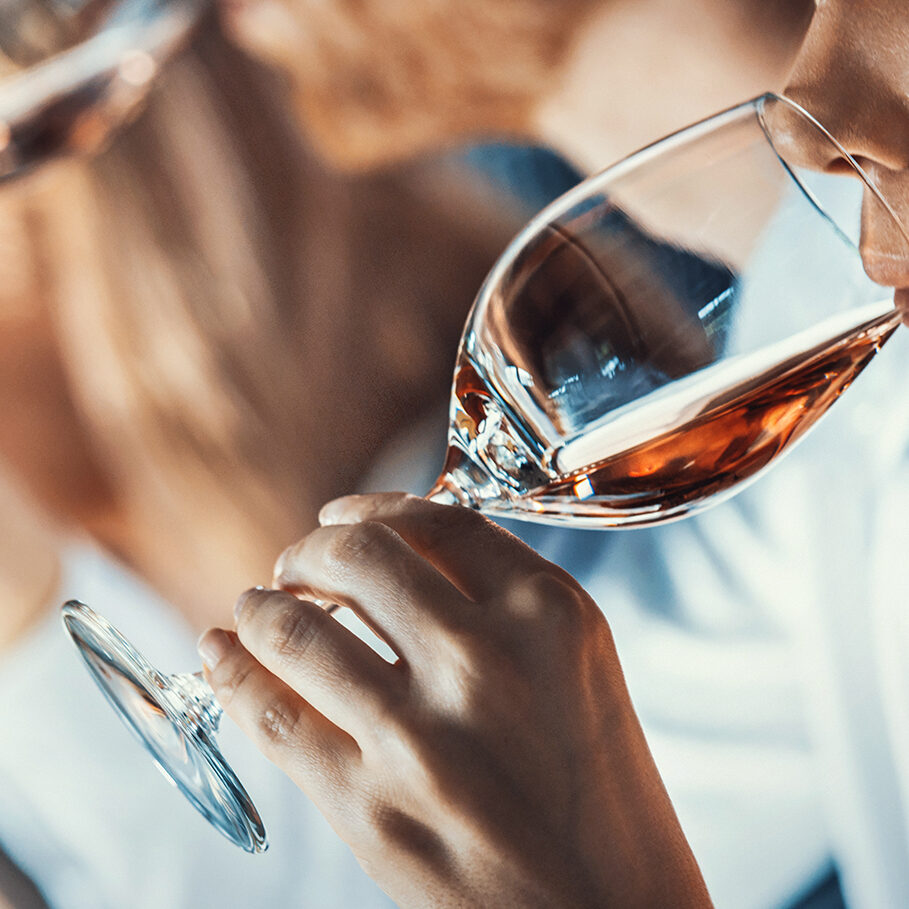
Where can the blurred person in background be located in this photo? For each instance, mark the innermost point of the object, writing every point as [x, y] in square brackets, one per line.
[203, 492]
[165, 305]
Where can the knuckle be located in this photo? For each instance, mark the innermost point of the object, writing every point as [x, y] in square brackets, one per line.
[277, 724]
[467, 652]
[526, 597]
[357, 541]
[545, 597]
[294, 630]
[462, 678]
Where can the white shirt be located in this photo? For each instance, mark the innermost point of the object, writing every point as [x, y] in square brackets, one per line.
[764, 644]
[765, 647]
[86, 815]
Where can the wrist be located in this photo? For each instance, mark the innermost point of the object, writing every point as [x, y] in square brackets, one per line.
[640, 856]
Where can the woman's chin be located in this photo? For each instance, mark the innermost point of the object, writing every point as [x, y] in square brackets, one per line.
[901, 301]
[886, 268]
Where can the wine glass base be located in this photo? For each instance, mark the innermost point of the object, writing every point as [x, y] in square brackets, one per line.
[176, 728]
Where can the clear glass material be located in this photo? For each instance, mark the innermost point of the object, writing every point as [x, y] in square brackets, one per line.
[175, 717]
[658, 336]
[83, 68]
[648, 345]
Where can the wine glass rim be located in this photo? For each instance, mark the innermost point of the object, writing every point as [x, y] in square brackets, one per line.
[127, 47]
[586, 187]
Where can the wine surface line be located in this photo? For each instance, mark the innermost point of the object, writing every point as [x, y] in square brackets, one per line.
[698, 439]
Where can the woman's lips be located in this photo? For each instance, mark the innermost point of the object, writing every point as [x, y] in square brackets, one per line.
[886, 268]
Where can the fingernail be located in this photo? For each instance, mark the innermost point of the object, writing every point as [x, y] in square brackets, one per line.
[279, 566]
[213, 646]
[334, 512]
[242, 600]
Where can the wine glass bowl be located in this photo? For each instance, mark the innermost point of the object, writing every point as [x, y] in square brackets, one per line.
[87, 67]
[658, 336]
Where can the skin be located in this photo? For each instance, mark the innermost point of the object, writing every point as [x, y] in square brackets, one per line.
[29, 568]
[844, 60]
[500, 754]
[688, 79]
[846, 65]
[852, 74]
[30, 445]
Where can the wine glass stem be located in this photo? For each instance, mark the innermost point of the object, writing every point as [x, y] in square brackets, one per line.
[466, 481]
[198, 700]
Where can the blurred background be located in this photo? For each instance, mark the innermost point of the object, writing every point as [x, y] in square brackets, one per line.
[238, 243]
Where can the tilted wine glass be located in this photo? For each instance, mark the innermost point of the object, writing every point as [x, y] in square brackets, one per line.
[648, 345]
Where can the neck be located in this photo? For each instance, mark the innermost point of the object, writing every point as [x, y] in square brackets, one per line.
[642, 69]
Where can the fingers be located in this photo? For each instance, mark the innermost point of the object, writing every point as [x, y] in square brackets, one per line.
[480, 558]
[332, 669]
[287, 730]
[370, 568]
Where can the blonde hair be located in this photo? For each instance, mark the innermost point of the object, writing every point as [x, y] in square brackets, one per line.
[242, 328]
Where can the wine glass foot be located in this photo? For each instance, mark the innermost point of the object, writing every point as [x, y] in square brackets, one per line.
[175, 717]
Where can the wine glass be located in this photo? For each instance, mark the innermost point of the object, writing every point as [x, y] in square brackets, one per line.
[86, 68]
[645, 347]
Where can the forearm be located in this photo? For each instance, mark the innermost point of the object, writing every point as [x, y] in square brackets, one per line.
[642, 855]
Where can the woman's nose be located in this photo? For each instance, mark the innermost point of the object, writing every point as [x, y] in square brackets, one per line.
[851, 74]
